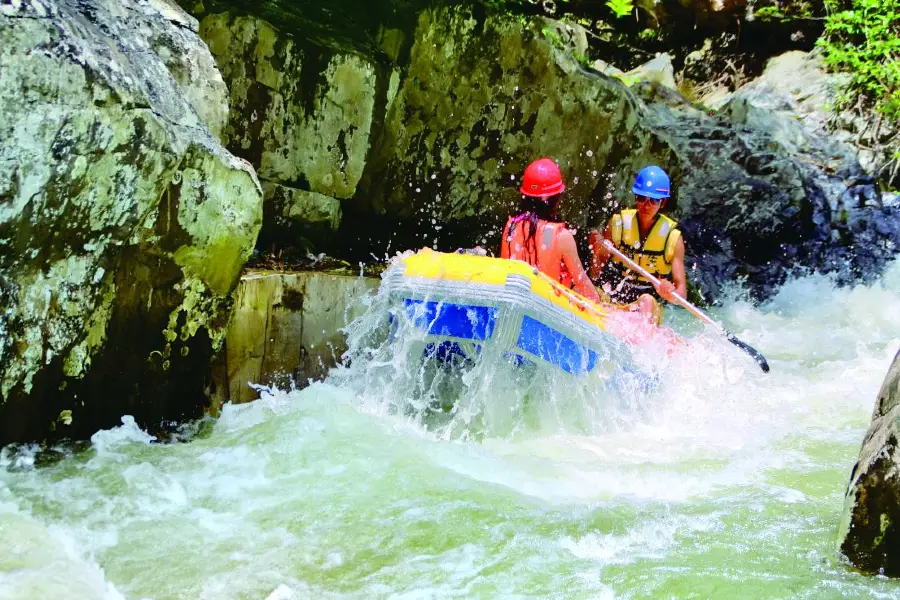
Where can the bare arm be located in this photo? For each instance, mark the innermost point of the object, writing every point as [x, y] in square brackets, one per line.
[504, 245]
[678, 274]
[599, 254]
[569, 251]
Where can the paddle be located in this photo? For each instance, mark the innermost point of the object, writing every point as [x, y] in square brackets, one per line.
[759, 358]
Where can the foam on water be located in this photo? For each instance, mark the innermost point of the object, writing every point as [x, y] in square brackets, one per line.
[724, 482]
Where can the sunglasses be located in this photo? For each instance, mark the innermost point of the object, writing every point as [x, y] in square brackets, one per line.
[646, 199]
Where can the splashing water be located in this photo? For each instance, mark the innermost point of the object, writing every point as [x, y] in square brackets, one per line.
[722, 483]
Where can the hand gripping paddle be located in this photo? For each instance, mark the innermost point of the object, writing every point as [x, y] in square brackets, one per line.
[759, 358]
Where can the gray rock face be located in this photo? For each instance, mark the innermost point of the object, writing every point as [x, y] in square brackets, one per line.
[302, 218]
[799, 80]
[870, 526]
[435, 136]
[422, 142]
[777, 190]
[796, 82]
[659, 71]
[482, 99]
[318, 135]
[303, 117]
[124, 224]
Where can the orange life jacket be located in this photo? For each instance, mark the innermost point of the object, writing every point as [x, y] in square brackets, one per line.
[548, 257]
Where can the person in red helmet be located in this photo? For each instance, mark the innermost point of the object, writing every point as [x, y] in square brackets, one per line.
[535, 235]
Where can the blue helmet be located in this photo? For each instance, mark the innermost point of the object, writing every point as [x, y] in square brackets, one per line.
[652, 182]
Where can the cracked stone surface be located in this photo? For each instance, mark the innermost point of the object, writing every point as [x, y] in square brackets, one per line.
[869, 533]
[124, 223]
[425, 142]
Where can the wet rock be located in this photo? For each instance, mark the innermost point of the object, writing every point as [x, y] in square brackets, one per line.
[754, 210]
[298, 218]
[831, 214]
[286, 331]
[870, 525]
[658, 71]
[482, 97]
[468, 98]
[303, 115]
[796, 84]
[433, 139]
[124, 224]
[193, 68]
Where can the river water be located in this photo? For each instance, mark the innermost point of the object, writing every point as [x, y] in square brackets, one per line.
[722, 483]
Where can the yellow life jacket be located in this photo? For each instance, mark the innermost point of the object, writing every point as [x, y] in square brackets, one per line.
[658, 249]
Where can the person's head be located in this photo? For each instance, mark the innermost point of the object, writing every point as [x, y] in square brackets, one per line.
[542, 188]
[651, 190]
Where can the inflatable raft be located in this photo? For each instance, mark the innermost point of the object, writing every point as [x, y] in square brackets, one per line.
[465, 306]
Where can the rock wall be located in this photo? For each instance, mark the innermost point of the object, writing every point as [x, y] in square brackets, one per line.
[285, 331]
[799, 198]
[302, 114]
[431, 130]
[124, 224]
[870, 526]
[423, 142]
[480, 99]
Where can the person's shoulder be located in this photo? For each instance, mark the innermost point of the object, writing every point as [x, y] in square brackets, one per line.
[671, 219]
[564, 230]
[566, 237]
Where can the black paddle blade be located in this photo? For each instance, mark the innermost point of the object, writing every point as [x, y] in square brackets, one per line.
[759, 358]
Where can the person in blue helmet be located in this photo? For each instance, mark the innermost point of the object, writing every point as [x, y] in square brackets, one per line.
[650, 239]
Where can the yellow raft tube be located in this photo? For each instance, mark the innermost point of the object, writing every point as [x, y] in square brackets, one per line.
[465, 305]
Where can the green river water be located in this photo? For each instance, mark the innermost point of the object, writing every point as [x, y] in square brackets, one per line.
[724, 483]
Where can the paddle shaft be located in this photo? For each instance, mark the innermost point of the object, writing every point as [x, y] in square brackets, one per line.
[757, 356]
[655, 281]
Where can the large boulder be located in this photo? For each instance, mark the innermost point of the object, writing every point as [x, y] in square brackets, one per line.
[422, 140]
[870, 526]
[124, 224]
[798, 81]
[301, 114]
[777, 191]
[481, 97]
[659, 71]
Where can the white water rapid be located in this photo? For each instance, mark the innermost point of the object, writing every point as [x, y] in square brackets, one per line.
[725, 483]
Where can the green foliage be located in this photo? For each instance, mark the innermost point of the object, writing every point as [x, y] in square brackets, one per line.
[862, 38]
[791, 11]
[621, 8]
[647, 34]
[552, 35]
[584, 60]
[769, 13]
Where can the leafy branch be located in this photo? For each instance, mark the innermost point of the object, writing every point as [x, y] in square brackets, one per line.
[621, 8]
[862, 38]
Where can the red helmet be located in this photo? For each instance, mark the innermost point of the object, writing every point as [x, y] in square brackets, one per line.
[542, 179]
